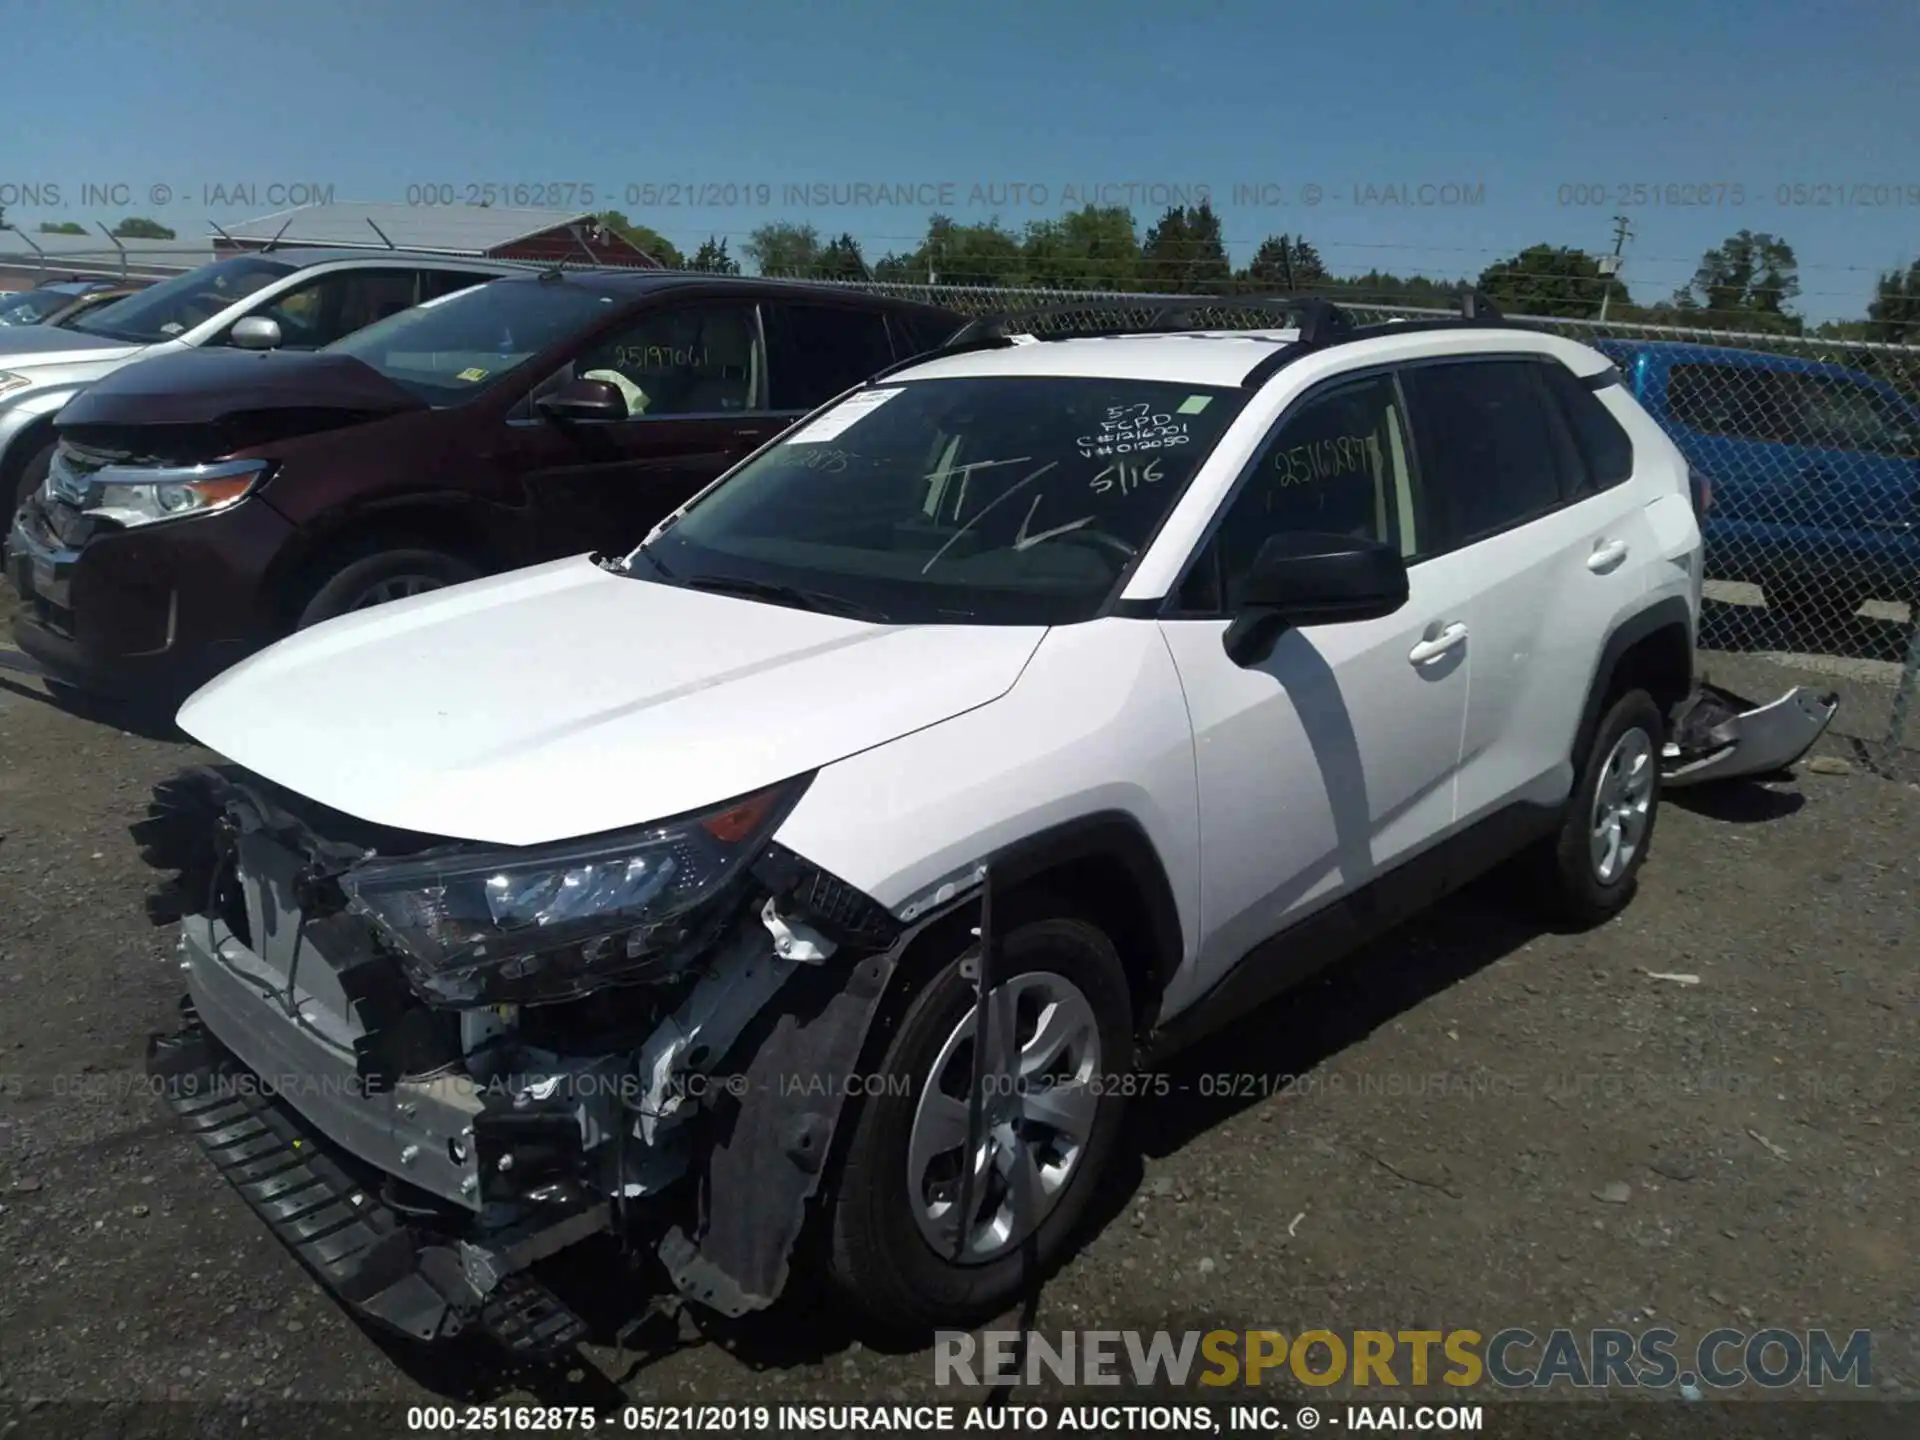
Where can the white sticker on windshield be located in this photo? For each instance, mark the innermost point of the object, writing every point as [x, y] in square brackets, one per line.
[842, 417]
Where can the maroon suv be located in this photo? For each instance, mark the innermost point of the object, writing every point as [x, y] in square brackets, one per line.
[202, 505]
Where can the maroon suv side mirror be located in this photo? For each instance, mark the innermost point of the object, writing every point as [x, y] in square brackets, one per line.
[580, 400]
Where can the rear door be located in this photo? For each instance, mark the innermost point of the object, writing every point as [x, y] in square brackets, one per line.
[695, 379]
[1530, 490]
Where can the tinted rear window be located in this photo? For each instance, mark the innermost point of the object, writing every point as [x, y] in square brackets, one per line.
[1487, 447]
[820, 350]
[915, 333]
[1605, 449]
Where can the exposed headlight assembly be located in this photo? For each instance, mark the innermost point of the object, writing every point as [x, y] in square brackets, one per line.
[550, 923]
[131, 495]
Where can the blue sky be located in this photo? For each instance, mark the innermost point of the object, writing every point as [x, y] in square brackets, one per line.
[1520, 100]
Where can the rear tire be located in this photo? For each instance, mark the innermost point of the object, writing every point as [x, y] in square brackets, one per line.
[373, 577]
[1589, 871]
[880, 1253]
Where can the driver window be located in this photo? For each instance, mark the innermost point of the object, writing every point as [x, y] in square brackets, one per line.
[334, 306]
[696, 360]
[1336, 465]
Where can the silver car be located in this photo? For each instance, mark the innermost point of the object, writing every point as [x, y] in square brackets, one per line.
[292, 299]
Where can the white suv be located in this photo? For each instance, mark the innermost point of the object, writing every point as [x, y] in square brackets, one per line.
[1078, 691]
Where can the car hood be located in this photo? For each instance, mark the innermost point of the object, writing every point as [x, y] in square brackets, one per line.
[562, 700]
[23, 346]
[204, 386]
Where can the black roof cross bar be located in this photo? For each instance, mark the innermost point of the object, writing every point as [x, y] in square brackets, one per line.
[1318, 320]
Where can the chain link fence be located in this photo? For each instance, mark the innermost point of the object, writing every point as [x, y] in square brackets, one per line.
[1808, 454]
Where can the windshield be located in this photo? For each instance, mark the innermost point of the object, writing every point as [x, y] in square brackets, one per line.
[175, 306]
[447, 350]
[30, 307]
[993, 499]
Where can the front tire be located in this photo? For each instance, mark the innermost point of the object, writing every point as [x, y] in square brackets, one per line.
[374, 577]
[1052, 1123]
[1591, 869]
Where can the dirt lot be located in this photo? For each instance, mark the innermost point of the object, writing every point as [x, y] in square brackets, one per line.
[1495, 1126]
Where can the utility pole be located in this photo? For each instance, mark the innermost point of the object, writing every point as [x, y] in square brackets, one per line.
[1610, 264]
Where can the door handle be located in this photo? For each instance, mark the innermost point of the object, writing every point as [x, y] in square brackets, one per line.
[1451, 638]
[1607, 555]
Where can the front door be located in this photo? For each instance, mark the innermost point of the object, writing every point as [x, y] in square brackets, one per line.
[1333, 761]
[695, 381]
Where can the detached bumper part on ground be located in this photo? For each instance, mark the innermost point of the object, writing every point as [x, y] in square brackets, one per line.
[1716, 736]
[417, 1159]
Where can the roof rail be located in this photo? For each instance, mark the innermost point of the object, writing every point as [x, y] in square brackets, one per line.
[1318, 319]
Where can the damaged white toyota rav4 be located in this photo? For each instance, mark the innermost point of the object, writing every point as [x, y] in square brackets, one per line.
[813, 878]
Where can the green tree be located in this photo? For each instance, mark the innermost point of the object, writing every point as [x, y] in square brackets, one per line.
[1744, 283]
[644, 237]
[712, 258]
[954, 254]
[1893, 316]
[1095, 247]
[842, 260]
[1184, 252]
[62, 227]
[1550, 280]
[1284, 263]
[139, 227]
[1384, 288]
[784, 248]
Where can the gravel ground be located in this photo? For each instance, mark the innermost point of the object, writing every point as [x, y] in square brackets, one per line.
[1494, 1126]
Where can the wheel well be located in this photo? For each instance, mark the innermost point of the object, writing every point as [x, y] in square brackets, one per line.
[1661, 663]
[22, 450]
[430, 527]
[1658, 660]
[1105, 890]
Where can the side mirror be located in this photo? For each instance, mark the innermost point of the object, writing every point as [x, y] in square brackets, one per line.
[580, 400]
[255, 332]
[1311, 579]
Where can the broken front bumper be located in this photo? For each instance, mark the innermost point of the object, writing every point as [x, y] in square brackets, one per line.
[416, 1281]
[1717, 735]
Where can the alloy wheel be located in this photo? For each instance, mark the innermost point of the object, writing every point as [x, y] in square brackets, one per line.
[1040, 1097]
[1622, 806]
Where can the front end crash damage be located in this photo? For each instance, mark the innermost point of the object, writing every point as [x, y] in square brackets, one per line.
[1716, 735]
[427, 1065]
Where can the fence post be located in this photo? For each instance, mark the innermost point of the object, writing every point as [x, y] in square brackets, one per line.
[1903, 695]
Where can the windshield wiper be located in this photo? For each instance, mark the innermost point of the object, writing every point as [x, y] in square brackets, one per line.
[786, 595]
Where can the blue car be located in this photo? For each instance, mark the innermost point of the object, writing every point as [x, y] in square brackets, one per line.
[1808, 473]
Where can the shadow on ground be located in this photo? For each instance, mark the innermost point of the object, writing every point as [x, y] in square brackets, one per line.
[147, 723]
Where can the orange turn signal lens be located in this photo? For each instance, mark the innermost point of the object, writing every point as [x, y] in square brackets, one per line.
[740, 822]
